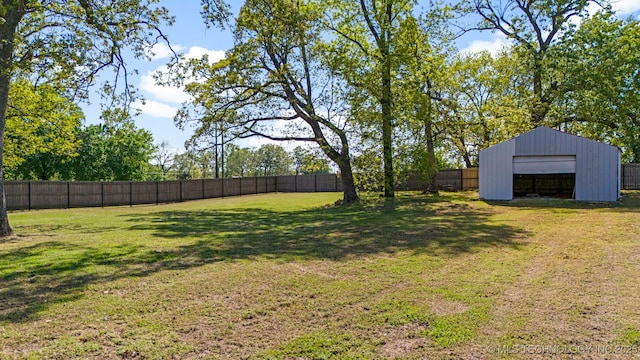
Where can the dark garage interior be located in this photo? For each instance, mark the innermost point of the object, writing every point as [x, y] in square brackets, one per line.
[547, 185]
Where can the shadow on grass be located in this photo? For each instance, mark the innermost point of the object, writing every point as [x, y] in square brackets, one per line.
[413, 224]
[629, 202]
[330, 233]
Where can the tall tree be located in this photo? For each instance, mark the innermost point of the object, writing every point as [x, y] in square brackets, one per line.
[209, 142]
[113, 151]
[276, 73]
[41, 125]
[239, 161]
[298, 155]
[604, 100]
[163, 158]
[272, 160]
[367, 30]
[185, 166]
[424, 46]
[69, 42]
[481, 101]
[535, 27]
[307, 161]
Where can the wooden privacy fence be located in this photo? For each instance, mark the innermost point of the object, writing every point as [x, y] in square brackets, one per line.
[26, 195]
[631, 176]
[457, 179]
[447, 179]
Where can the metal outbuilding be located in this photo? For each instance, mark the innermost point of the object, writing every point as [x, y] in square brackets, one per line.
[548, 162]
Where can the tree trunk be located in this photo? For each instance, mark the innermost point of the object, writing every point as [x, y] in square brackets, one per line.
[387, 128]
[540, 105]
[7, 33]
[350, 195]
[431, 151]
[467, 159]
[343, 160]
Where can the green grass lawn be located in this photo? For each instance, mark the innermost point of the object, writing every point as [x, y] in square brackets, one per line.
[291, 276]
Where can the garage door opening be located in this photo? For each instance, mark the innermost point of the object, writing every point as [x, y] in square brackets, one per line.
[548, 176]
[547, 185]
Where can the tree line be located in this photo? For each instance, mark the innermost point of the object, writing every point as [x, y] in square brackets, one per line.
[236, 161]
[47, 140]
[377, 85]
[381, 88]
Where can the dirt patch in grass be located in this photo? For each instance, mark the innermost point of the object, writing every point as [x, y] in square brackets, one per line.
[445, 307]
[403, 341]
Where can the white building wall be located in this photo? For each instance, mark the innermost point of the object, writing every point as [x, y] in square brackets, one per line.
[495, 172]
[597, 164]
[544, 142]
[597, 171]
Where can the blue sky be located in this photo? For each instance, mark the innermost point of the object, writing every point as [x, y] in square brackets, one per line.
[190, 36]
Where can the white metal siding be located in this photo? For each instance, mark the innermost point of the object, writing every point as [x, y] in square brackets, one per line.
[496, 171]
[544, 141]
[544, 164]
[597, 171]
[596, 164]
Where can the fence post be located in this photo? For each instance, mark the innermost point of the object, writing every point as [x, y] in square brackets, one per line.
[180, 190]
[29, 195]
[628, 183]
[315, 183]
[102, 193]
[203, 189]
[157, 192]
[68, 194]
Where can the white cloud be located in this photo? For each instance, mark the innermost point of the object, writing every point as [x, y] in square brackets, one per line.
[626, 7]
[162, 51]
[198, 52]
[173, 94]
[622, 8]
[493, 45]
[169, 94]
[154, 109]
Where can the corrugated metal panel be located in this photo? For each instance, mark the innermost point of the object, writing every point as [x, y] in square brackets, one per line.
[596, 164]
[496, 171]
[545, 141]
[612, 162]
[548, 164]
[597, 174]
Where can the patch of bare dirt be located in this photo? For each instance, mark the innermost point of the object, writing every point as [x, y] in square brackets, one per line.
[445, 307]
[402, 341]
